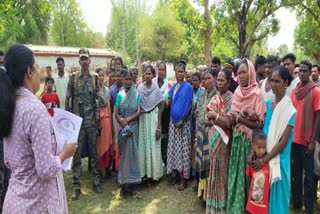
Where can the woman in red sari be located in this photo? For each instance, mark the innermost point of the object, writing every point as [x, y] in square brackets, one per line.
[218, 136]
[104, 145]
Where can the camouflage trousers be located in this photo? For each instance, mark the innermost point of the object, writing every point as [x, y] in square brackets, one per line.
[86, 135]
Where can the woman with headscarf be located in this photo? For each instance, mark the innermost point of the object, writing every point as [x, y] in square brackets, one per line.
[179, 147]
[150, 161]
[202, 158]
[247, 111]
[219, 135]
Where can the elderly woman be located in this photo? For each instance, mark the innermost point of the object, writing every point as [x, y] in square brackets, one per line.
[31, 151]
[179, 147]
[150, 160]
[247, 111]
[219, 132]
[202, 144]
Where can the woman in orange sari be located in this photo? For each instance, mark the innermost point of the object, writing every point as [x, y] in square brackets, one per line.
[104, 145]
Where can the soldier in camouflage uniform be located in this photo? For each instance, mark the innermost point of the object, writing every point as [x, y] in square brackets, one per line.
[83, 88]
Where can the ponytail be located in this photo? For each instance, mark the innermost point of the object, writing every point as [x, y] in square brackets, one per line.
[16, 63]
[7, 103]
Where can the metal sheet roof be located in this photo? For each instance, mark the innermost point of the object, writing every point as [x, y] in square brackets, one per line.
[69, 51]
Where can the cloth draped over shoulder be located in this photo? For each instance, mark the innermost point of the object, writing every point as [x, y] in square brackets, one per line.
[181, 101]
[150, 97]
[305, 93]
[279, 121]
[249, 97]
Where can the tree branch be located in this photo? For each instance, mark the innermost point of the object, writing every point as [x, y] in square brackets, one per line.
[315, 16]
[254, 28]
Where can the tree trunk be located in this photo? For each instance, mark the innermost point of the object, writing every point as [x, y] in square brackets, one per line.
[207, 34]
[242, 28]
[124, 28]
[137, 30]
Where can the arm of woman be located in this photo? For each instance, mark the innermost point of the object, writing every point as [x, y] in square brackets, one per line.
[220, 121]
[135, 115]
[279, 146]
[180, 123]
[103, 98]
[250, 124]
[158, 132]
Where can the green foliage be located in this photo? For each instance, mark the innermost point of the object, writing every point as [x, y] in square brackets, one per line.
[307, 31]
[24, 21]
[69, 27]
[162, 36]
[193, 23]
[114, 34]
[246, 22]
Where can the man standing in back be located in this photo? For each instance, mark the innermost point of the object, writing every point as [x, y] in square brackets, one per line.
[61, 82]
[83, 90]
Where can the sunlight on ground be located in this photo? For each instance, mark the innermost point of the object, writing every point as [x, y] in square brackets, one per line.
[153, 207]
[116, 200]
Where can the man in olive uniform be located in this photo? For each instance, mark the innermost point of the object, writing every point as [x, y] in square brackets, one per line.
[83, 89]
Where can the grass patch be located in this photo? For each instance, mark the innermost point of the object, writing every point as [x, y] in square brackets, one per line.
[162, 198]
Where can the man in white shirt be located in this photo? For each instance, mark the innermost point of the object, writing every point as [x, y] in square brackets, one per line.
[289, 62]
[61, 82]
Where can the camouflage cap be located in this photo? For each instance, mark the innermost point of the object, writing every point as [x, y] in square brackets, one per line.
[84, 52]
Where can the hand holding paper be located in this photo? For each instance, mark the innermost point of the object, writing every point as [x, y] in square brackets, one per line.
[68, 127]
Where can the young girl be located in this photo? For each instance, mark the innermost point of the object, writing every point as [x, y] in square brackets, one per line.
[259, 187]
[104, 145]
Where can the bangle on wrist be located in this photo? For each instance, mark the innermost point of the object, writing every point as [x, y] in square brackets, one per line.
[212, 122]
[217, 117]
[159, 130]
[237, 120]
[242, 114]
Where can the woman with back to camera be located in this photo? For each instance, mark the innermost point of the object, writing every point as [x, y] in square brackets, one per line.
[31, 151]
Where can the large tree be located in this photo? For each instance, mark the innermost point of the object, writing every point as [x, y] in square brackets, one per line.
[24, 21]
[162, 36]
[244, 22]
[124, 26]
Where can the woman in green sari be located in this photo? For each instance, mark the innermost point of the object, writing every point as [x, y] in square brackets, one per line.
[247, 113]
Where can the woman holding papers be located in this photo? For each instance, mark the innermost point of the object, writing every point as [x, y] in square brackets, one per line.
[31, 152]
[219, 149]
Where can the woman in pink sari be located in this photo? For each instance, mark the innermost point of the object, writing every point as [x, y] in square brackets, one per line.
[247, 110]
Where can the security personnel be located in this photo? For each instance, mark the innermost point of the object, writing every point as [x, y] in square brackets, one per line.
[83, 89]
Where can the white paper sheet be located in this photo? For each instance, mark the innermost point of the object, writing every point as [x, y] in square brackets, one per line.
[68, 126]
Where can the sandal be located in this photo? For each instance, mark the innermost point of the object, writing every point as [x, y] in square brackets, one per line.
[182, 185]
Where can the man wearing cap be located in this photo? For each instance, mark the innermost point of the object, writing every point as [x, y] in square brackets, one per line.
[83, 89]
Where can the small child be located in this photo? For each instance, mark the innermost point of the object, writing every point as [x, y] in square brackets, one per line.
[260, 180]
[50, 98]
